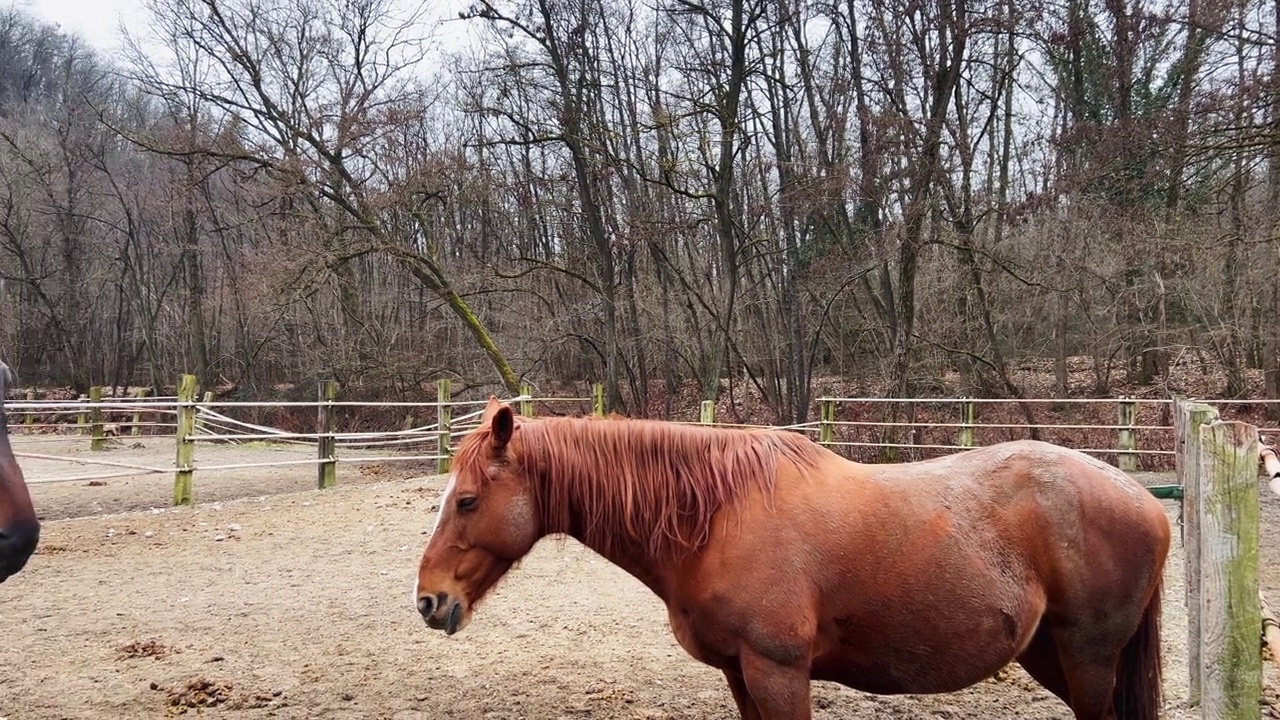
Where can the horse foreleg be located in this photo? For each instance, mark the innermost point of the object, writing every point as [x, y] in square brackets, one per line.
[780, 692]
[746, 706]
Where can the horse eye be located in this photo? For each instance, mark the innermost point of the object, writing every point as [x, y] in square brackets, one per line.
[467, 503]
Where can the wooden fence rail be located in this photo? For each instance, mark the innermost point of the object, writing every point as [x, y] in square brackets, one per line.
[837, 421]
[843, 424]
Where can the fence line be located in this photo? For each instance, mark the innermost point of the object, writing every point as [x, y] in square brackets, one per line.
[425, 439]
[203, 420]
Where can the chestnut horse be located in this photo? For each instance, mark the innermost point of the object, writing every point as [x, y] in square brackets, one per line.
[780, 561]
[19, 526]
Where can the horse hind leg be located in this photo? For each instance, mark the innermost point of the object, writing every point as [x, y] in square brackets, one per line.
[1041, 661]
[1121, 684]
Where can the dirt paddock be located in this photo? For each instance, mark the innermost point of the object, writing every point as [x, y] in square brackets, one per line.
[271, 599]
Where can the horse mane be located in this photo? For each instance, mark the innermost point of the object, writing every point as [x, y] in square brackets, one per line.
[645, 484]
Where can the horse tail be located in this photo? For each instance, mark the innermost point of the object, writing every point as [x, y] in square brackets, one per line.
[1138, 694]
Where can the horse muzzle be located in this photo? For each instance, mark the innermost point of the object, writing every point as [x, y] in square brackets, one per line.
[442, 612]
[17, 543]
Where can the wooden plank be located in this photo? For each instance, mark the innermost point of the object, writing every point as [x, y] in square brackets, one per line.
[1188, 419]
[967, 414]
[444, 417]
[99, 438]
[326, 426]
[137, 412]
[182, 494]
[208, 400]
[1127, 459]
[826, 422]
[1230, 611]
[526, 405]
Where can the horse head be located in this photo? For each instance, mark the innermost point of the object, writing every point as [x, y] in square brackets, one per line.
[486, 522]
[19, 526]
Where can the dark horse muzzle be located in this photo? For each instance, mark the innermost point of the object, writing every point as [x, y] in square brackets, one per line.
[17, 543]
[441, 612]
[19, 524]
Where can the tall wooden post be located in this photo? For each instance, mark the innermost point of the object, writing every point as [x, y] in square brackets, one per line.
[597, 399]
[444, 416]
[707, 414]
[99, 439]
[31, 414]
[526, 404]
[826, 421]
[137, 412]
[182, 494]
[1188, 419]
[1230, 609]
[326, 426]
[1127, 414]
[82, 420]
[967, 415]
[208, 400]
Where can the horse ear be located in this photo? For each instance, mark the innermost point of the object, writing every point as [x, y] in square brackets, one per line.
[490, 410]
[503, 425]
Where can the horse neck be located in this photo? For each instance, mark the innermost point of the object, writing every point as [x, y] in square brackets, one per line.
[620, 497]
[654, 572]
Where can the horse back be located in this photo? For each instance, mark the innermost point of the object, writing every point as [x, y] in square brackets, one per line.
[1085, 527]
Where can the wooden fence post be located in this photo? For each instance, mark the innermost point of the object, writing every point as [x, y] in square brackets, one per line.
[707, 414]
[82, 421]
[31, 414]
[1187, 419]
[182, 494]
[597, 399]
[1230, 609]
[444, 416]
[137, 412]
[326, 426]
[208, 400]
[1127, 412]
[967, 416]
[99, 440]
[826, 421]
[526, 405]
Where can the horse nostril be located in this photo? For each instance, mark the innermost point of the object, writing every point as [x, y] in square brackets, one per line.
[19, 541]
[427, 606]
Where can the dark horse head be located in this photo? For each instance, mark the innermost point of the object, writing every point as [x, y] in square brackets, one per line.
[19, 527]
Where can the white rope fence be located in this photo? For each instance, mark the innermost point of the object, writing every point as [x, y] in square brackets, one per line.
[133, 469]
[216, 424]
[213, 427]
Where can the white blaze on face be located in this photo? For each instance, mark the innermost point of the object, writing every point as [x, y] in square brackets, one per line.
[445, 498]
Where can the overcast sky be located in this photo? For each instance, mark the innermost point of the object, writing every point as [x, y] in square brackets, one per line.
[99, 21]
[96, 21]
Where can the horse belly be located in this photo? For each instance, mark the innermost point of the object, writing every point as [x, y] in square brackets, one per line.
[940, 648]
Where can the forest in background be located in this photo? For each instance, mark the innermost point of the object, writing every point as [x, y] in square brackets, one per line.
[915, 198]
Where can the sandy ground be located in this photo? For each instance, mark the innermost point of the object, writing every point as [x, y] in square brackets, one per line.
[270, 599]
